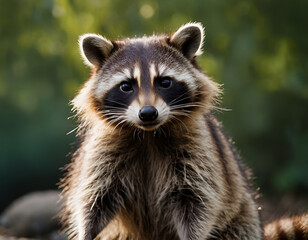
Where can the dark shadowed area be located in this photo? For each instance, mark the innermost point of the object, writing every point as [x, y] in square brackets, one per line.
[257, 49]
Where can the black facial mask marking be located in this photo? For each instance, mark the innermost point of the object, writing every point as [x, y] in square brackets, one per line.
[117, 100]
[175, 94]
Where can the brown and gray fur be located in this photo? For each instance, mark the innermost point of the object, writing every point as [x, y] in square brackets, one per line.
[177, 177]
[288, 228]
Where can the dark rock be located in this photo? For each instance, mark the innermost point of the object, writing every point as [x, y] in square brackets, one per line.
[33, 215]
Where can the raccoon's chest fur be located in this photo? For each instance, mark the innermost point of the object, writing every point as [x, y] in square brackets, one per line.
[152, 176]
[148, 179]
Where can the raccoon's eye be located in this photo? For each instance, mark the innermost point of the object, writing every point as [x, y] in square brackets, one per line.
[164, 82]
[126, 86]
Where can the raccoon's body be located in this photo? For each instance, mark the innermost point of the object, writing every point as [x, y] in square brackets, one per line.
[153, 162]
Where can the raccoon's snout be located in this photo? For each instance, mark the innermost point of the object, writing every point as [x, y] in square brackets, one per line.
[148, 113]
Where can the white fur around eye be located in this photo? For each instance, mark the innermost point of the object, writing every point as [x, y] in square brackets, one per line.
[181, 75]
[106, 82]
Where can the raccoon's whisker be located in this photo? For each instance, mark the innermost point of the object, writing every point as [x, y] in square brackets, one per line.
[112, 101]
[138, 135]
[179, 98]
[111, 113]
[155, 132]
[159, 131]
[113, 109]
[180, 107]
[107, 115]
[180, 121]
[162, 130]
[180, 125]
[178, 101]
[123, 121]
[222, 109]
[112, 121]
[115, 127]
[109, 125]
[111, 117]
[186, 105]
[119, 120]
[134, 134]
[186, 114]
[217, 110]
[187, 111]
[110, 109]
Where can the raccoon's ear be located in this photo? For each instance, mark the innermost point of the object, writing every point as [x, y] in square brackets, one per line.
[94, 49]
[188, 39]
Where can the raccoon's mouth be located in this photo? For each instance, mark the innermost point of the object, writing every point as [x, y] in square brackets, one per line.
[149, 126]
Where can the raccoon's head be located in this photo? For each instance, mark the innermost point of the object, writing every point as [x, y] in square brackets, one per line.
[145, 82]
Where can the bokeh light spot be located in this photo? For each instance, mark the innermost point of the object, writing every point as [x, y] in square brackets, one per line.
[146, 11]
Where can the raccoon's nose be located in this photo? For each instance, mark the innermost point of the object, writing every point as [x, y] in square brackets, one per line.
[148, 113]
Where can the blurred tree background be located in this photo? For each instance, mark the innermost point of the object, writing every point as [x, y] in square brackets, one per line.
[256, 48]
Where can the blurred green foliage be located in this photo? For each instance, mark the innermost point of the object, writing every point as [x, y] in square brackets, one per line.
[257, 48]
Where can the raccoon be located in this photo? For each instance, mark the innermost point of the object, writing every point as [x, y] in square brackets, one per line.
[153, 161]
